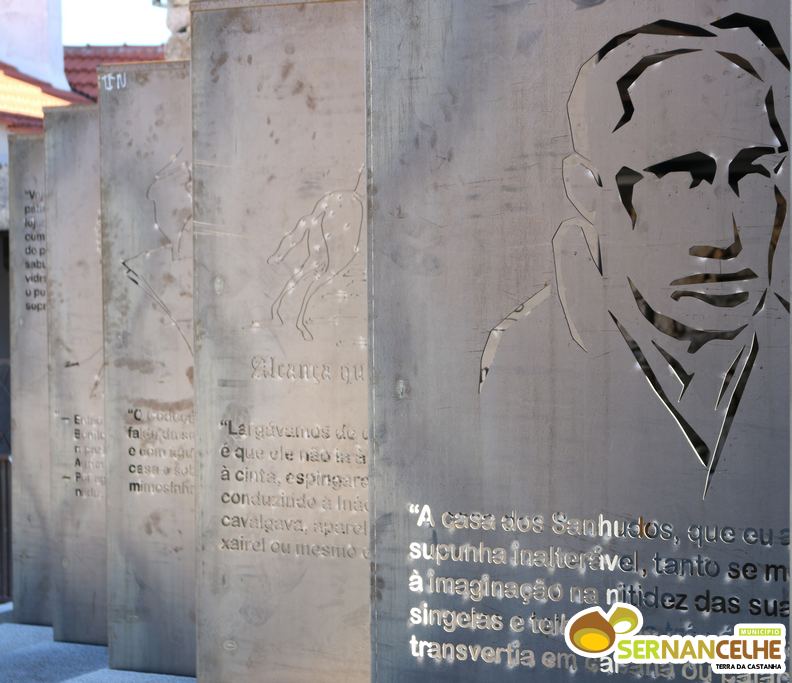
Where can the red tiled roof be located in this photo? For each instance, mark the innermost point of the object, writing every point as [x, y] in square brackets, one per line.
[16, 123]
[22, 99]
[45, 87]
[80, 62]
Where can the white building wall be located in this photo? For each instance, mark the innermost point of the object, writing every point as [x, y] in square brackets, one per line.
[3, 179]
[31, 38]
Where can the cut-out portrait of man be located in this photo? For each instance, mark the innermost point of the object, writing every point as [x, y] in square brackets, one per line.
[679, 175]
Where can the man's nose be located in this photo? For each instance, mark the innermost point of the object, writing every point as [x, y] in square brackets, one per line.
[721, 253]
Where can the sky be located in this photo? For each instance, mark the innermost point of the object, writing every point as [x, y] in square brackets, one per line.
[113, 22]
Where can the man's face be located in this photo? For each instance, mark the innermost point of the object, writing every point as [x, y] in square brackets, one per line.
[709, 202]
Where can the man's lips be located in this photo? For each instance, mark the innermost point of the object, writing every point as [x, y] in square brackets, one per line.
[718, 300]
[713, 278]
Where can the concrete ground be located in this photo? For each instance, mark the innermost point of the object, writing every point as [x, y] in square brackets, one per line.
[29, 655]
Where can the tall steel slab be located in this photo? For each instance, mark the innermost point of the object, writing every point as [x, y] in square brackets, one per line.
[580, 331]
[76, 371]
[30, 497]
[146, 155]
[280, 302]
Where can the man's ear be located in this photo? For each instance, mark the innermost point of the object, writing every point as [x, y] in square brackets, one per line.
[582, 183]
[578, 267]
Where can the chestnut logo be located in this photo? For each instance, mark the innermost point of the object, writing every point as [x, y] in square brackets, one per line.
[593, 633]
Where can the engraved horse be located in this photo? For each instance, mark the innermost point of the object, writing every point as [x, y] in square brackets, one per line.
[328, 240]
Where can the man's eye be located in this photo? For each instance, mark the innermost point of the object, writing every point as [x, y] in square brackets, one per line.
[700, 166]
[776, 163]
[745, 164]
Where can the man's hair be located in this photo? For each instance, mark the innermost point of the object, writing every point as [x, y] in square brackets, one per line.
[700, 39]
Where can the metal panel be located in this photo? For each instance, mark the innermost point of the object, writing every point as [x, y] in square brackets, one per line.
[76, 369]
[29, 393]
[207, 5]
[566, 328]
[5, 528]
[281, 343]
[146, 164]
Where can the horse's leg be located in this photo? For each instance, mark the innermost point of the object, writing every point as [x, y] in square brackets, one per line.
[291, 284]
[316, 284]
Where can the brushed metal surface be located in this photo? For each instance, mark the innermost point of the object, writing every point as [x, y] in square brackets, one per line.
[146, 156]
[76, 371]
[514, 149]
[280, 323]
[30, 516]
[213, 5]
